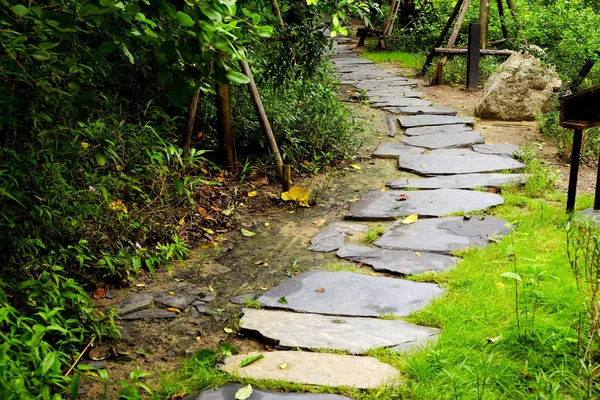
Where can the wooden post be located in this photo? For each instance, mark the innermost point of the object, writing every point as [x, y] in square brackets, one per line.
[389, 23]
[484, 9]
[438, 43]
[286, 177]
[502, 19]
[513, 12]
[189, 124]
[473, 57]
[575, 153]
[262, 116]
[225, 127]
[439, 76]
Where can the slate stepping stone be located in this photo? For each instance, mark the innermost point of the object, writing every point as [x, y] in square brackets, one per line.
[316, 369]
[393, 150]
[434, 130]
[401, 102]
[374, 84]
[445, 140]
[432, 120]
[135, 302]
[450, 163]
[350, 294]
[351, 61]
[151, 313]
[352, 334]
[437, 110]
[443, 235]
[227, 392]
[593, 215]
[180, 301]
[465, 181]
[397, 261]
[378, 205]
[497, 149]
[408, 94]
[242, 298]
[333, 237]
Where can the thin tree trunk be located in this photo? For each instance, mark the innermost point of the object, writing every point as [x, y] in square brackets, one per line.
[277, 13]
[189, 124]
[224, 127]
[502, 19]
[389, 23]
[484, 8]
[439, 76]
[513, 12]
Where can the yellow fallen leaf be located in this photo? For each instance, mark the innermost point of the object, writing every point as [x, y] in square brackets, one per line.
[119, 168]
[418, 254]
[252, 194]
[373, 273]
[171, 293]
[247, 233]
[198, 338]
[175, 310]
[303, 204]
[209, 231]
[85, 145]
[319, 222]
[383, 189]
[267, 224]
[283, 366]
[228, 330]
[264, 288]
[211, 289]
[140, 284]
[411, 219]
[297, 194]
[354, 166]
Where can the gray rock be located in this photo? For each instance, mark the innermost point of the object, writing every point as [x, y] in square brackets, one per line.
[450, 163]
[400, 102]
[100, 364]
[327, 240]
[466, 181]
[151, 313]
[348, 227]
[393, 150]
[314, 331]
[241, 299]
[432, 120]
[316, 369]
[227, 392]
[592, 214]
[437, 110]
[397, 261]
[350, 294]
[378, 205]
[434, 130]
[180, 301]
[443, 235]
[202, 308]
[340, 62]
[110, 295]
[445, 140]
[498, 149]
[207, 297]
[133, 303]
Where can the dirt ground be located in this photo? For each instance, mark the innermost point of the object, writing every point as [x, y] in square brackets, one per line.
[240, 265]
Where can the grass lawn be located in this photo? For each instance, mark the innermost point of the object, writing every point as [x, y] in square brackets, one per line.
[408, 60]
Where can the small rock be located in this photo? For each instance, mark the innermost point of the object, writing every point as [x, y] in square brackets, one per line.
[133, 303]
[153, 313]
[180, 301]
[207, 297]
[241, 299]
[110, 295]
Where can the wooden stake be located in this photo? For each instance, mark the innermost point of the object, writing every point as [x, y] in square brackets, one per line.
[513, 12]
[262, 116]
[389, 23]
[502, 19]
[225, 127]
[286, 177]
[189, 124]
[484, 9]
[439, 77]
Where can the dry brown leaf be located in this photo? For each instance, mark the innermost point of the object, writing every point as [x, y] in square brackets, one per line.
[202, 211]
[319, 222]
[321, 290]
[402, 197]
[359, 264]
[99, 293]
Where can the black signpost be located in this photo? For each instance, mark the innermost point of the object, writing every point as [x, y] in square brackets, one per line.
[580, 111]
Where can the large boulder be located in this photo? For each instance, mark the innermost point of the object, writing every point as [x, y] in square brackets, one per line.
[518, 89]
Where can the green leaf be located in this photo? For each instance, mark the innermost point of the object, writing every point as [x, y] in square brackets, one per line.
[107, 47]
[107, 3]
[127, 53]
[251, 359]
[244, 393]
[211, 13]
[184, 20]
[511, 275]
[264, 31]
[100, 156]
[247, 233]
[75, 386]
[19, 10]
[227, 349]
[282, 300]
[48, 362]
[41, 55]
[47, 45]
[237, 77]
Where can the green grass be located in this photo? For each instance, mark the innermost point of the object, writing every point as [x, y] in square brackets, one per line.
[407, 60]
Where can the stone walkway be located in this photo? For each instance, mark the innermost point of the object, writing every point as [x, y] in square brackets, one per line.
[343, 311]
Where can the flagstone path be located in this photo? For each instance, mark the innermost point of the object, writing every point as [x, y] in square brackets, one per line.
[343, 310]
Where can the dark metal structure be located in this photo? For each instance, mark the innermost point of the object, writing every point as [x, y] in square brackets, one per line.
[580, 111]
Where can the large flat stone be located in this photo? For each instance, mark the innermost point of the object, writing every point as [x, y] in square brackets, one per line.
[227, 392]
[443, 235]
[350, 294]
[445, 140]
[434, 130]
[135, 302]
[352, 334]
[397, 261]
[465, 181]
[342, 61]
[401, 102]
[433, 110]
[327, 240]
[498, 149]
[316, 369]
[150, 313]
[394, 150]
[432, 120]
[450, 163]
[378, 205]
[177, 300]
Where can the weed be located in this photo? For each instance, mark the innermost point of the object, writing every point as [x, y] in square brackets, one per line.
[252, 303]
[373, 234]
[407, 60]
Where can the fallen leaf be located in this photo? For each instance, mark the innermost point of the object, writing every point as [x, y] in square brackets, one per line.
[228, 329]
[267, 224]
[383, 188]
[198, 338]
[282, 300]
[418, 254]
[354, 166]
[99, 293]
[251, 359]
[466, 217]
[297, 194]
[209, 231]
[171, 293]
[211, 288]
[283, 366]
[175, 310]
[411, 219]
[359, 264]
[252, 194]
[178, 396]
[264, 288]
[495, 339]
[321, 290]
[265, 264]
[258, 263]
[243, 393]
[247, 233]
[319, 222]
[140, 284]
[373, 273]
[402, 197]
[493, 190]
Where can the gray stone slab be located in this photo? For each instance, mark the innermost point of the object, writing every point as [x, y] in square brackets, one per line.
[434, 130]
[313, 331]
[394, 150]
[135, 302]
[339, 61]
[465, 181]
[397, 261]
[432, 120]
[433, 110]
[350, 294]
[327, 240]
[348, 227]
[443, 235]
[445, 140]
[450, 163]
[180, 301]
[227, 392]
[409, 94]
[242, 298]
[374, 84]
[593, 215]
[319, 369]
[401, 102]
[378, 205]
[498, 149]
[150, 313]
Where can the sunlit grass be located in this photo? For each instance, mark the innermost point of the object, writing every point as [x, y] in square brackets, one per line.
[407, 60]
